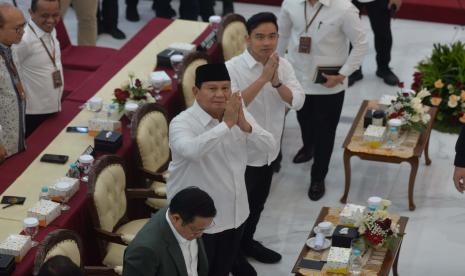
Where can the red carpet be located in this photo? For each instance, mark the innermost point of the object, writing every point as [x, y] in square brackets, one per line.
[442, 11]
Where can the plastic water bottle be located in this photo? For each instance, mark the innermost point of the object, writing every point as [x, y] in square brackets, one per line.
[355, 267]
[43, 193]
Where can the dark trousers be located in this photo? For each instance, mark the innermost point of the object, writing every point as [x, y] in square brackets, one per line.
[318, 120]
[34, 121]
[380, 20]
[108, 14]
[222, 249]
[258, 183]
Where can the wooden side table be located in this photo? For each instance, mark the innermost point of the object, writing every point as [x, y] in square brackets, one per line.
[422, 145]
[390, 260]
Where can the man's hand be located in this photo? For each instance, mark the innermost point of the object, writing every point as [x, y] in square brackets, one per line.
[2, 153]
[333, 80]
[231, 111]
[459, 179]
[270, 68]
[242, 122]
[275, 80]
[398, 3]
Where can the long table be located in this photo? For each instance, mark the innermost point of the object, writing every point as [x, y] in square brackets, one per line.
[24, 174]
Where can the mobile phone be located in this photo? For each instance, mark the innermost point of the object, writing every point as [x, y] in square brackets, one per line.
[54, 158]
[311, 264]
[77, 129]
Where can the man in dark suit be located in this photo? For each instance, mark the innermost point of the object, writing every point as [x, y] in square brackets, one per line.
[459, 162]
[170, 244]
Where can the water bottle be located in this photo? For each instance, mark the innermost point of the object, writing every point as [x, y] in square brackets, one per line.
[355, 267]
[73, 171]
[43, 193]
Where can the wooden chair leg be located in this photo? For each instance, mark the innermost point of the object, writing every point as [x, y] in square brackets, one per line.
[413, 173]
[347, 156]
[427, 159]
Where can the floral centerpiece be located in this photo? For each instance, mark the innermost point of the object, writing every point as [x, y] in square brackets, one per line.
[134, 91]
[408, 107]
[377, 230]
[443, 74]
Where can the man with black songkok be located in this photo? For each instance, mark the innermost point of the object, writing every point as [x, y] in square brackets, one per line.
[208, 144]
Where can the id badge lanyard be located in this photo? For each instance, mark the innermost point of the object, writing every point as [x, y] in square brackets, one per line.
[305, 41]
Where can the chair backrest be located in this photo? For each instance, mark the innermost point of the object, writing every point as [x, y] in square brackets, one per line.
[232, 35]
[59, 242]
[150, 135]
[187, 76]
[107, 190]
[62, 36]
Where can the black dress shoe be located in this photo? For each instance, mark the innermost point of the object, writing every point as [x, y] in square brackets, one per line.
[262, 254]
[242, 267]
[302, 156]
[115, 33]
[316, 190]
[356, 76]
[388, 76]
[132, 14]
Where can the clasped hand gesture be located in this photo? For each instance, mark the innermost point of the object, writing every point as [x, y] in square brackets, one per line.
[234, 114]
[270, 70]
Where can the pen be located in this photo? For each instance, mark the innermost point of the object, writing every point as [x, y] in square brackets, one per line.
[319, 24]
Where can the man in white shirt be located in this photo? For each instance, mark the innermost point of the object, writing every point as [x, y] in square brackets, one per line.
[268, 86]
[170, 244]
[379, 12]
[209, 143]
[40, 68]
[316, 33]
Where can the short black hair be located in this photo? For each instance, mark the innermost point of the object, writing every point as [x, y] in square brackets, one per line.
[260, 18]
[34, 4]
[59, 266]
[192, 202]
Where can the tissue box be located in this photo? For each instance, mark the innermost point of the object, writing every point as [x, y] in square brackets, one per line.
[109, 144]
[74, 188]
[184, 48]
[7, 264]
[16, 245]
[343, 236]
[338, 260]
[96, 125]
[163, 58]
[374, 134]
[351, 214]
[45, 211]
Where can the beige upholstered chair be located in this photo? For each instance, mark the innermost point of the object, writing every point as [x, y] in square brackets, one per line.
[65, 243]
[232, 35]
[152, 153]
[190, 63]
[108, 196]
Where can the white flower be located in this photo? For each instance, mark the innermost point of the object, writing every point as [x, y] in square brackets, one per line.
[452, 104]
[423, 93]
[425, 118]
[415, 118]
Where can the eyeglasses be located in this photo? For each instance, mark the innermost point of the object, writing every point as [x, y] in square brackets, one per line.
[261, 37]
[20, 29]
[196, 231]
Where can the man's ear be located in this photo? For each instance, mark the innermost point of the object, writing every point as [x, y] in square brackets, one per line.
[248, 40]
[195, 90]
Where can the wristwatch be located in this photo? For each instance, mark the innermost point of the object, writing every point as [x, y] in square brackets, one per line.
[277, 86]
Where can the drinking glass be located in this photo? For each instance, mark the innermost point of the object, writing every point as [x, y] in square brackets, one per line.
[157, 84]
[31, 228]
[176, 63]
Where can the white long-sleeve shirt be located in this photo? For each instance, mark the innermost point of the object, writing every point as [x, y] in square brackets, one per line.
[209, 155]
[336, 25]
[267, 108]
[36, 68]
[189, 249]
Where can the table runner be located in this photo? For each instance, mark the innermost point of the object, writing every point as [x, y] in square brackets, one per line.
[38, 174]
[405, 149]
[373, 258]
